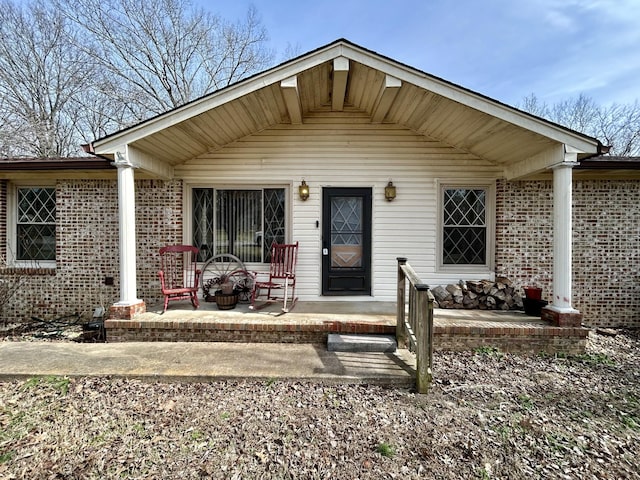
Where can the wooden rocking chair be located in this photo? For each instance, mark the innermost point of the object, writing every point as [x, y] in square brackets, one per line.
[179, 275]
[281, 285]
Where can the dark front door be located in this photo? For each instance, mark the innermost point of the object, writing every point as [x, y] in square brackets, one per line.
[346, 241]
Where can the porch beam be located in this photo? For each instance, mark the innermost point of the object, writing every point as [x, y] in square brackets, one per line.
[149, 164]
[340, 76]
[538, 163]
[386, 96]
[291, 97]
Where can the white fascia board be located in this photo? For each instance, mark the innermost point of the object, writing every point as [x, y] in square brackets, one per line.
[473, 100]
[401, 72]
[204, 104]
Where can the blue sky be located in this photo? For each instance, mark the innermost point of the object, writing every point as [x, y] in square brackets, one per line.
[505, 49]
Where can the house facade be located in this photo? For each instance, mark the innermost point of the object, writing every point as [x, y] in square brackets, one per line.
[479, 190]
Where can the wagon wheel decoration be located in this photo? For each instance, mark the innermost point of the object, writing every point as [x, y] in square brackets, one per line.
[226, 268]
[242, 281]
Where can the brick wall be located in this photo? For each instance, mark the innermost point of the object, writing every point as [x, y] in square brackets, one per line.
[158, 223]
[524, 233]
[606, 244]
[606, 252]
[87, 247]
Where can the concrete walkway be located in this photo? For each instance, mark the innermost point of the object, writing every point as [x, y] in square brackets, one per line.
[195, 362]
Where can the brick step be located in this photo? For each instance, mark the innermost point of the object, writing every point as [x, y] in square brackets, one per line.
[337, 342]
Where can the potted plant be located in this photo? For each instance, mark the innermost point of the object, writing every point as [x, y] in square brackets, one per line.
[209, 288]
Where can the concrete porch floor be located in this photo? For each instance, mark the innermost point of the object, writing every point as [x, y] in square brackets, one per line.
[311, 322]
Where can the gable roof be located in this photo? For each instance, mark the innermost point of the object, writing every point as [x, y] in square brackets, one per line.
[344, 77]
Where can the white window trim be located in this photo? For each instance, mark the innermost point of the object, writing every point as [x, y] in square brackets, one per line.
[187, 205]
[12, 225]
[490, 186]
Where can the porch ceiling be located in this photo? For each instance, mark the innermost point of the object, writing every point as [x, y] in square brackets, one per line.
[344, 77]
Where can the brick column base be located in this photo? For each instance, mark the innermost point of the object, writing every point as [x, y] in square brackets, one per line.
[126, 312]
[561, 319]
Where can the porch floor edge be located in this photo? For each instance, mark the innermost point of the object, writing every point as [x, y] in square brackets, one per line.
[453, 330]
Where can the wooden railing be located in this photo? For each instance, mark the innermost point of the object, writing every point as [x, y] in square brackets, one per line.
[414, 328]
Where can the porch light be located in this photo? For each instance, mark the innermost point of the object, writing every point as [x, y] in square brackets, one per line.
[390, 191]
[303, 190]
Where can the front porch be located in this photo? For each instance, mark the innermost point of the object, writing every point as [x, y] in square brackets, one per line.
[311, 322]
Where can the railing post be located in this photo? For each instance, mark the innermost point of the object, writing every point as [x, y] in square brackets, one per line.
[424, 337]
[401, 331]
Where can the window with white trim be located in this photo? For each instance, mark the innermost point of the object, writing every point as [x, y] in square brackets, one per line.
[465, 221]
[35, 231]
[243, 222]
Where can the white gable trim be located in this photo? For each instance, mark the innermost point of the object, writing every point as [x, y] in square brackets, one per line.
[215, 99]
[349, 51]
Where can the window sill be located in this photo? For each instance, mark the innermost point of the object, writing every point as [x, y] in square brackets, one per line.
[30, 271]
[466, 269]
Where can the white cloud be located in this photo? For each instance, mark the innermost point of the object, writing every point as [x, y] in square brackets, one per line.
[560, 20]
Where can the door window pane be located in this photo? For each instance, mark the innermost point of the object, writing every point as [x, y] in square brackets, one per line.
[346, 232]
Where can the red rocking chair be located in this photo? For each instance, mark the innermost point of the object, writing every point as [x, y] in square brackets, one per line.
[179, 275]
[281, 285]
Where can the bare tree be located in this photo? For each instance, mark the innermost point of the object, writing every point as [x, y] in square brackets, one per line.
[75, 70]
[616, 125]
[619, 126]
[160, 54]
[40, 74]
[291, 51]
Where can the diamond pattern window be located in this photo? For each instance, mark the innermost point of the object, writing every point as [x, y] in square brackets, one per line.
[464, 236]
[36, 223]
[241, 222]
[346, 232]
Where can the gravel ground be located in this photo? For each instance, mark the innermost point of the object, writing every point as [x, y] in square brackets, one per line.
[488, 415]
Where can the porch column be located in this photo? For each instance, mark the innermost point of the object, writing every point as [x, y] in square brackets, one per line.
[561, 312]
[129, 305]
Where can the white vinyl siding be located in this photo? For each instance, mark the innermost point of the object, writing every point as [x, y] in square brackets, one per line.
[345, 150]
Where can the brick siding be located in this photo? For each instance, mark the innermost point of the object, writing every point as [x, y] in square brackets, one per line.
[510, 337]
[606, 245]
[606, 253]
[87, 247]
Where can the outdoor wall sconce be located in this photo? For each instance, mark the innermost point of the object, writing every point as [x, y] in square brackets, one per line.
[390, 191]
[303, 190]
